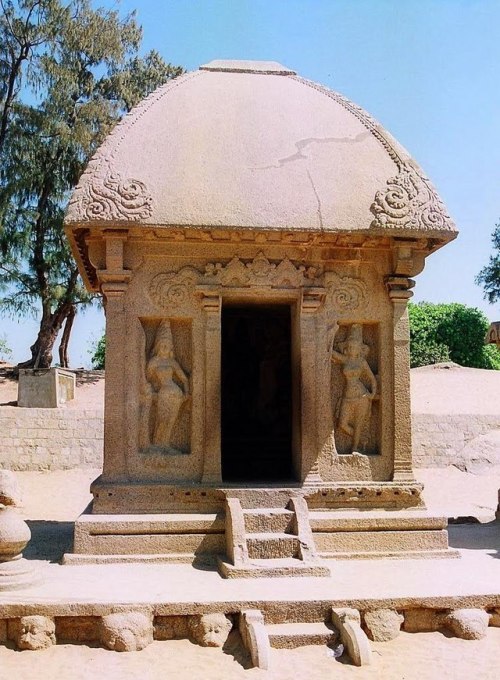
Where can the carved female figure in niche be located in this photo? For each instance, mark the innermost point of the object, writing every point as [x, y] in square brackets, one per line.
[360, 385]
[167, 389]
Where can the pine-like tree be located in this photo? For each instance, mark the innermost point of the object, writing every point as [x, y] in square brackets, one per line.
[68, 73]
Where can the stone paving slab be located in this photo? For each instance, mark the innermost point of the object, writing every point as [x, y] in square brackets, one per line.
[471, 581]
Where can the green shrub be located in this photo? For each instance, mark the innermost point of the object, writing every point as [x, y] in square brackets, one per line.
[450, 332]
[5, 350]
[99, 355]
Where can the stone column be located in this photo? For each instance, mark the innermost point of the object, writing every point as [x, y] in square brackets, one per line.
[114, 282]
[309, 379]
[212, 304]
[399, 293]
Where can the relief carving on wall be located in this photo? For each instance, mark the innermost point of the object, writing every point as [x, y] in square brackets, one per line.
[345, 294]
[260, 271]
[110, 196]
[354, 407]
[409, 202]
[173, 289]
[166, 390]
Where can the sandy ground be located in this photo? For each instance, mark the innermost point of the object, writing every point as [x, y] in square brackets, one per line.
[53, 500]
[422, 656]
[452, 389]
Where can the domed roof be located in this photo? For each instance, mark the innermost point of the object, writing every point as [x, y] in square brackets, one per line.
[253, 145]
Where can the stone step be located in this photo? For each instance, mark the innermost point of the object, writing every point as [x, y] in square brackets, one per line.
[272, 546]
[267, 520]
[273, 568]
[292, 635]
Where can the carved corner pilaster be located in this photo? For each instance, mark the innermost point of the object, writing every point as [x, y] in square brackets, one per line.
[311, 299]
[211, 302]
[115, 278]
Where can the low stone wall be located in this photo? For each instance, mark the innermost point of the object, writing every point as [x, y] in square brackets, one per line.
[62, 439]
[470, 442]
[50, 439]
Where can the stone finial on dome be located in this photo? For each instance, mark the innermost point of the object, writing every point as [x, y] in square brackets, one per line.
[247, 66]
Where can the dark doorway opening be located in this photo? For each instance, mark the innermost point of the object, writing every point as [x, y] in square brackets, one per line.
[256, 394]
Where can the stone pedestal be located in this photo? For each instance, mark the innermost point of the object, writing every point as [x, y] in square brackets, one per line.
[45, 387]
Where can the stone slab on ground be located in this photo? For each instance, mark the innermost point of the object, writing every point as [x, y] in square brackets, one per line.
[362, 584]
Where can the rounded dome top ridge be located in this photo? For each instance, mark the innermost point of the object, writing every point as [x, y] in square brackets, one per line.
[240, 144]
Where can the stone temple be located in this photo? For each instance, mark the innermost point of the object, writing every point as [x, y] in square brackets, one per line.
[254, 236]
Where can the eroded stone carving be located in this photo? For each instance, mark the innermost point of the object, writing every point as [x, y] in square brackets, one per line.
[260, 271]
[210, 630]
[346, 293]
[165, 391]
[110, 196]
[173, 289]
[126, 632]
[468, 624]
[409, 202]
[360, 386]
[34, 632]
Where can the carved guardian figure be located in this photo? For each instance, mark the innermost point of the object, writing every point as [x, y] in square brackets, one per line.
[166, 390]
[360, 385]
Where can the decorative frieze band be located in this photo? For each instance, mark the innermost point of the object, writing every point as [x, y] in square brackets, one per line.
[345, 294]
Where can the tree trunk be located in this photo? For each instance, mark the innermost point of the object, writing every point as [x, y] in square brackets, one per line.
[41, 349]
[63, 345]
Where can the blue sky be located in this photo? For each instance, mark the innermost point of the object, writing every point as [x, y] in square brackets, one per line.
[428, 70]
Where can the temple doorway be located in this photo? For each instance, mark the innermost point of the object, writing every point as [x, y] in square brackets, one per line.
[256, 391]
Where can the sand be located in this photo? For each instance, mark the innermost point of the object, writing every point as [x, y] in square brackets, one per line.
[57, 498]
[422, 656]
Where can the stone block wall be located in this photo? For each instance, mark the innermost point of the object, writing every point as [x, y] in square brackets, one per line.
[50, 439]
[63, 439]
[470, 442]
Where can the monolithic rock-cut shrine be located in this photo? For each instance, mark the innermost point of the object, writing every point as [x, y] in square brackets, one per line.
[254, 236]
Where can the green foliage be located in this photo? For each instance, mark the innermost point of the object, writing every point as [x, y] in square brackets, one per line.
[489, 276]
[99, 354]
[68, 73]
[5, 350]
[450, 332]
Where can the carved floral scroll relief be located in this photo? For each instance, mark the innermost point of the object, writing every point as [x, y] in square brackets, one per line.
[166, 389]
[345, 294]
[354, 401]
[110, 196]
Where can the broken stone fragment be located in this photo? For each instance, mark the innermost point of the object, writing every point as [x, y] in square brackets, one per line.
[210, 630]
[126, 632]
[33, 632]
[382, 625]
